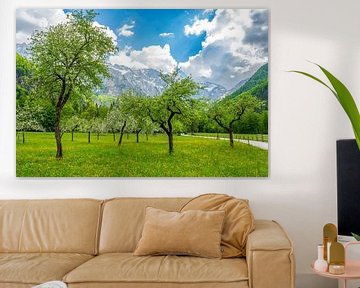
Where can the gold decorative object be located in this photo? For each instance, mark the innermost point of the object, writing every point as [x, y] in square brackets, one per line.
[337, 258]
[330, 236]
[336, 269]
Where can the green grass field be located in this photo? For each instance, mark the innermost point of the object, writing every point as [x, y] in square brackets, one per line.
[193, 157]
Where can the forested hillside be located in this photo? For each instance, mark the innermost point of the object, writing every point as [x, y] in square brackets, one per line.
[257, 85]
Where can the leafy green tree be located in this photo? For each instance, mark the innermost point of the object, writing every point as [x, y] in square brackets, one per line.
[124, 109]
[230, 110]
[148, 127]
[98, 127]
[176, 100]
[196, 121]
[69, 60]
[47, 112]
[134, 107]
[113, 121]
[264, 122]
[87, 126]
[71, 125]
[118, 118]
[249, 124]
[27, 119]
[23, 71]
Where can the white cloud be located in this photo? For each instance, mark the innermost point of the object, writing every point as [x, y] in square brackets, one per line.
[28, 20]
[155, 57]
[166, 34]
[205, 72]
[208, 11]
[199, 26]
[126, 29]
[235, 46]
[110, 33]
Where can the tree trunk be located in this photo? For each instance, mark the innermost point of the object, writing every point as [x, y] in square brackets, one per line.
[231, 136]
[23, 136]
[59, 152]
[171, 142]
[122, 133]
[97, 136]
[114, 136]
[137, 135]
[127, 136]
[147, 136]
[72, 136]
[89, 137]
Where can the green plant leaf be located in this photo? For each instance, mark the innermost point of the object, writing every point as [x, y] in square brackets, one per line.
[356, 236]
[344, 97]
[346, 100]
[316, 79]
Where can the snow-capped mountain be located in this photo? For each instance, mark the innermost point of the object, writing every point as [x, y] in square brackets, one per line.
[148, 82]
[144, 81]
[211, 90]
[123, 78]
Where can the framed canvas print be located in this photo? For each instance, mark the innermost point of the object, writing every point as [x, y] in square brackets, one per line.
[142, 93]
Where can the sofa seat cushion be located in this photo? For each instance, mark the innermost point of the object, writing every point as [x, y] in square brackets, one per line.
[36, 268]
[127, 268]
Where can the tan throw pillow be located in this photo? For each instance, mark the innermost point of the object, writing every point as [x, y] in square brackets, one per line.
[196, 233]
[239, 220]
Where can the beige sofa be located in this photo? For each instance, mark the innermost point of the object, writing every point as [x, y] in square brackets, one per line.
[89, 243]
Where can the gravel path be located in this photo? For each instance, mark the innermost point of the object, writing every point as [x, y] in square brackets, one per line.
[258, 144]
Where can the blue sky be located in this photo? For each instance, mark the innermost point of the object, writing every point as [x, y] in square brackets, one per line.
[150, 23]
[221, 46]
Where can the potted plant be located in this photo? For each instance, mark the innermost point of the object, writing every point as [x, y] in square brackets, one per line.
[346, 100]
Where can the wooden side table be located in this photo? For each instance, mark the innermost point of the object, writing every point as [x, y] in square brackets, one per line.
[352, 268]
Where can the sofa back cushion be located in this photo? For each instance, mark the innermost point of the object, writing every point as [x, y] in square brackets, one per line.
[66, 226]
[123, 220]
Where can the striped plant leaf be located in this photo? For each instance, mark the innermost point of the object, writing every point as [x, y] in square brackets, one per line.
[344, 97]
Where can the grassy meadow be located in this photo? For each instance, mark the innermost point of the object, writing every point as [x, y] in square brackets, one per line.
[192, 157]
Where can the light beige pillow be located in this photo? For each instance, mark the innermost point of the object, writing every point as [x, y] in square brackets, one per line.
[238, 223]
[196, 233]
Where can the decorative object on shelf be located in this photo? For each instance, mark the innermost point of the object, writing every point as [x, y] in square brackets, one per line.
[336, 269]
[344, 97]
[337, 258]
[329, 236]
[320, 264]
[351, 268]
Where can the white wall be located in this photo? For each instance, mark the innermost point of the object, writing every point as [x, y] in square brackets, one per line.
[305, 121]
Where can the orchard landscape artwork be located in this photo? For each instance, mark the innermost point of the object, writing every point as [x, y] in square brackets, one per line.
[142, 93]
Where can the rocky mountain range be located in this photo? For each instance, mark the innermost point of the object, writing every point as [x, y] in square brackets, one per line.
[123, 78]
[145, 81]
[148, 82]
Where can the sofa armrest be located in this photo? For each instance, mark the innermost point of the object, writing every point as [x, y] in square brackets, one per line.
[269, 256]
